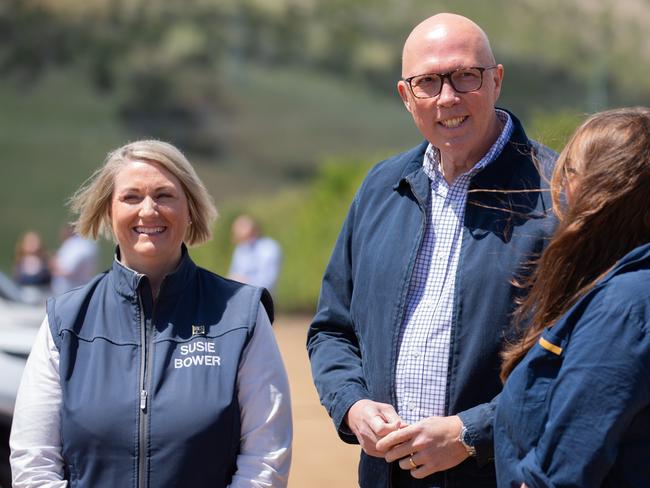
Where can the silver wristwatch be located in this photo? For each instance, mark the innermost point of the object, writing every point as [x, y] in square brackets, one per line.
[466, 441]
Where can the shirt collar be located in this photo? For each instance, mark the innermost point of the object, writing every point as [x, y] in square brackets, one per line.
[431, 161]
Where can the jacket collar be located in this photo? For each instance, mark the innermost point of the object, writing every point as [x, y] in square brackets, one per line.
[514, 167]
[414, 176]
[128, 282]
[637, 258]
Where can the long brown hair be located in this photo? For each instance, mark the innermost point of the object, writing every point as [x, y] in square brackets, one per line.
[607, 215]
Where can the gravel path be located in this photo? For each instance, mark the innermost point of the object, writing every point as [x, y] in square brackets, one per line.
[320, 459]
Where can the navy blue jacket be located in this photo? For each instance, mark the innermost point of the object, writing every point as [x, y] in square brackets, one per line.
[576, 411]
[149, 395]
[352, 340]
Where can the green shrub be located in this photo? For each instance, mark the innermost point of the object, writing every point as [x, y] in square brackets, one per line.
[305, 222]
[554, 128]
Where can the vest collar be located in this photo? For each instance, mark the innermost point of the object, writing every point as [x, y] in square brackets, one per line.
[128, 282]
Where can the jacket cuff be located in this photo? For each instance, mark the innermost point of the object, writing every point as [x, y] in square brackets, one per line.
[529, 472]
[479, 423]
[347, 397]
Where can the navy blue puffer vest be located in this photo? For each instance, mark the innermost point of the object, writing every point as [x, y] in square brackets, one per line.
[150, 391]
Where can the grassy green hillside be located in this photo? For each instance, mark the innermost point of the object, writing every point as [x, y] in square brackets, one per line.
[298, 145]
[51, 137]
[292, 99]
[281, 124]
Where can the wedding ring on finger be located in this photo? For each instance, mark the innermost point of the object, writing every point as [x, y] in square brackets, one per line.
[413, 465]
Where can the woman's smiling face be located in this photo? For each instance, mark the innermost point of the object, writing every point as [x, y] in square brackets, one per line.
[149, 216]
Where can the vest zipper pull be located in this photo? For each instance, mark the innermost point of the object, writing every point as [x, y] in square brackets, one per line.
[143, 399]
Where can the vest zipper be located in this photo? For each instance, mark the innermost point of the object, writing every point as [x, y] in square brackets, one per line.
[143, 431]
[146, 338]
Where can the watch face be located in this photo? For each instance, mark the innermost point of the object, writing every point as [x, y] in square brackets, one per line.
[465, 438]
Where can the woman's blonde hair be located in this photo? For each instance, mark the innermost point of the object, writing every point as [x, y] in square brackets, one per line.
[92, 201]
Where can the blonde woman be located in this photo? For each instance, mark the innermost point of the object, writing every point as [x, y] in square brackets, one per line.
[157, 373]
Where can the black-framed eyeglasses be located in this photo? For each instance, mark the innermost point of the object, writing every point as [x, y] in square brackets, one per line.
[462, 80]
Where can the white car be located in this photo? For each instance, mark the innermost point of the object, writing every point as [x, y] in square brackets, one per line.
[19, 323]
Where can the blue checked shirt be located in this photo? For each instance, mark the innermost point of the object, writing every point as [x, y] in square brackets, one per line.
[423, 357]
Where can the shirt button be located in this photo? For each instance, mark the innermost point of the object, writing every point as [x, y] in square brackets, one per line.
[412, 406]
[415, 353]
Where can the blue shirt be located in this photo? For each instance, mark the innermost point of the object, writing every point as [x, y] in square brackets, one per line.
[76, 264]
[257, 262]
[576, 411]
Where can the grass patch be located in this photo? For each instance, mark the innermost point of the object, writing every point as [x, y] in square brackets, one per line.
[281, 124]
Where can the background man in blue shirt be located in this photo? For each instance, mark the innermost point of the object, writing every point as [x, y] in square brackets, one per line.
[256, 259]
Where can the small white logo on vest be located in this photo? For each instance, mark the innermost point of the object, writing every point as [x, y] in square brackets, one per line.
[197, 353]
[198, 330]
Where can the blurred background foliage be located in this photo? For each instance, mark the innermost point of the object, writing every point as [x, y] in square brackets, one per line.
[282, 105]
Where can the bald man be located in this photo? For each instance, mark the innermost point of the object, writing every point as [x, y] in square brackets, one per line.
[416, 298]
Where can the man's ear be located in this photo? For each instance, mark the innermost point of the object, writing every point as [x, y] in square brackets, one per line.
[498, 80]
[403, 91]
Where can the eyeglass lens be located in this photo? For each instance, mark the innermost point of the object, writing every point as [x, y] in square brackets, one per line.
[462, 81]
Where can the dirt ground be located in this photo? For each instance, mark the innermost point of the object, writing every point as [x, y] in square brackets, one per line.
[320, 459]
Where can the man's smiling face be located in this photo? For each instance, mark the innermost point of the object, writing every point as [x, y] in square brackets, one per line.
[460, 125]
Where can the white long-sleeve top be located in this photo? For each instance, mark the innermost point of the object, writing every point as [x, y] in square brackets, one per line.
[262, 391]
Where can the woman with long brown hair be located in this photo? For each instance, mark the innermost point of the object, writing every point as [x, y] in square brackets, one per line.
[575, 410]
